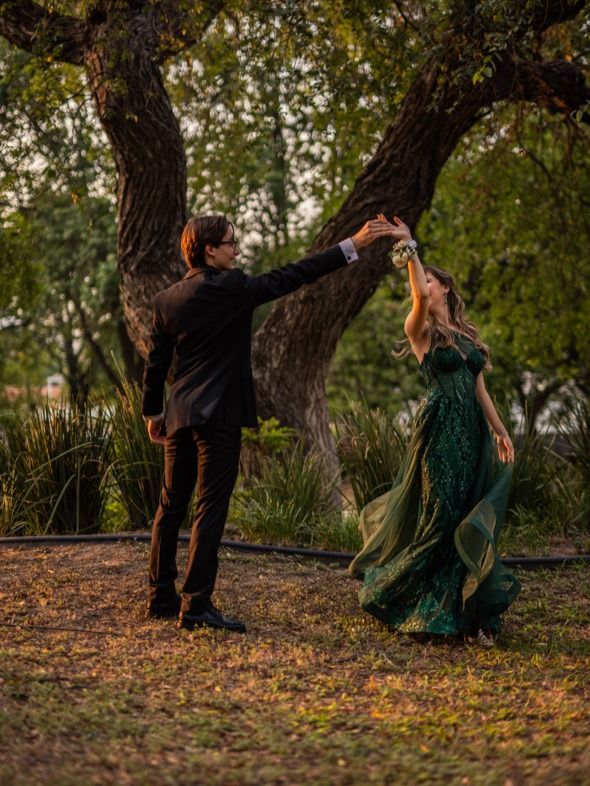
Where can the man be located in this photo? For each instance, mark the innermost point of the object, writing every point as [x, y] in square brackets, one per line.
[206, 318]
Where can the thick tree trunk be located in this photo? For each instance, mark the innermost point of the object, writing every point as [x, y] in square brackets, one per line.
[132, 361]
[136, 113]
[293, 349]
[118, 44]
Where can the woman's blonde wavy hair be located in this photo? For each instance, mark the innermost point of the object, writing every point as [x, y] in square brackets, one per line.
[441, 336]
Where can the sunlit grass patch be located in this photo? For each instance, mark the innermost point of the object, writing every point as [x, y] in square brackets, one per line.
[315, 692]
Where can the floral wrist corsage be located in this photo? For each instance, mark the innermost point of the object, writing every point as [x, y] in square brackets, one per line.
[403, 251]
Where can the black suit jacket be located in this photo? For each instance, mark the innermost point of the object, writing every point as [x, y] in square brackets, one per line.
[207, 318]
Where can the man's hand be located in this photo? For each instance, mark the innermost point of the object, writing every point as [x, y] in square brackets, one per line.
[154, 427]
[380, 227]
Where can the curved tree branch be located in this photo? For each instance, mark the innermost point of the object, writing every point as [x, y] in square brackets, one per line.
[558, 86]
[293, 349]
[35, 29]
[175, 34]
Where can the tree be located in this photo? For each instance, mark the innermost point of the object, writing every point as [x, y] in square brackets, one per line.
[68, 316]
[521, 247]
[74, 322]
[468, 56]
[448, 95]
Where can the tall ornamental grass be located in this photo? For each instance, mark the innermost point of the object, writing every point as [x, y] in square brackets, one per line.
[536, 467]
[291, 503]
[576, 484]
[550, 497]
[55, 470]
[138, 465]
[371, 445]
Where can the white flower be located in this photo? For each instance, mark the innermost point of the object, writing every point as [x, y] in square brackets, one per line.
[403, 251]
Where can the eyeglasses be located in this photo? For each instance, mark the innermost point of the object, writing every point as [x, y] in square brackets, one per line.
[233, 243]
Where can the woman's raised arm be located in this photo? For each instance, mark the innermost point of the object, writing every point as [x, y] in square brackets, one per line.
[415, 324]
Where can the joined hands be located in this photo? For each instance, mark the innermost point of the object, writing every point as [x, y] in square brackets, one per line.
[379, 227]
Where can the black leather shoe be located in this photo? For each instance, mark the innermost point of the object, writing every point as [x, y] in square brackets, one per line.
[210, 618]
[163, 610]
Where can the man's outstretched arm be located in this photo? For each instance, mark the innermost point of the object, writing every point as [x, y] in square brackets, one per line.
[280, 282]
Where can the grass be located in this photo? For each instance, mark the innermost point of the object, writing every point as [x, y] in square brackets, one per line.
[139, 463]
[371, 445]
[315, 692]
[54, 470]
[292, 502]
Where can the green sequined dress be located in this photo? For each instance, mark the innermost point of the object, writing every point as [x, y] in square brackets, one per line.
[429, 559]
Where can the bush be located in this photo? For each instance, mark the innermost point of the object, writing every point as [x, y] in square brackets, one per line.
[291, 503]
[371, 445]
[536, 466]
[574, 485]
[138, 467]
[54, 470]
[260, 444]
[550, 494]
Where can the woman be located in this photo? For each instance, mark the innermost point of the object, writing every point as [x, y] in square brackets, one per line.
[429, 558]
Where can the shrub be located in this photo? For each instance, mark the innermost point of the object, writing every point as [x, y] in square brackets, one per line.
[138, 464]
[536, 466]
[574, 485]
[54, 470]
[258, 445]
[549, 496]
[291, 503]
[371, 445]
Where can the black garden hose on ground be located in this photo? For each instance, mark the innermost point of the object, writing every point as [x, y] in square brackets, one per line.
[526, 563]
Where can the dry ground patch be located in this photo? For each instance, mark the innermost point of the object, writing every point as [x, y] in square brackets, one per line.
[315, 692]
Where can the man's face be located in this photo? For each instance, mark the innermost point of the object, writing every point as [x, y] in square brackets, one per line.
[223, 256]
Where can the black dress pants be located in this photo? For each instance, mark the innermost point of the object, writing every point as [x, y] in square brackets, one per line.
[208, 455]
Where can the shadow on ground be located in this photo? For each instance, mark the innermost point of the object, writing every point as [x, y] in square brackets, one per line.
[316, 692]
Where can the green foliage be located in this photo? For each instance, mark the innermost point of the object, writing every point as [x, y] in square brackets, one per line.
[261, 444]
[18, 266]
[291, 503]
[536, 466]
[269, 437]
[54, 470]
[575, 484]
[577, 434]
[364, 366]
[73, 323]
[371, 446]
[49, 135]
[303, 94]
[549, 497]
[509, 222]
[280, 108]
[59, 300]
[138, 465]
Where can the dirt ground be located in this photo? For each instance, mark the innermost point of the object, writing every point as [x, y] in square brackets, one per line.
[316, 692]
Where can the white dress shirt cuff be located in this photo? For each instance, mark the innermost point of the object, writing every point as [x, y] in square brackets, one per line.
[348, 250]
[153, 417]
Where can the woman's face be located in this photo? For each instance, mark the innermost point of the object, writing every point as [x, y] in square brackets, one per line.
[436, 290]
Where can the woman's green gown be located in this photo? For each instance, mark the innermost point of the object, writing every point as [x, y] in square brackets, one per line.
[429, 559]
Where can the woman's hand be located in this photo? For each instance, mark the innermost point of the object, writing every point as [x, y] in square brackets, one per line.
[371, 231]
[505, 449]
[399, 230]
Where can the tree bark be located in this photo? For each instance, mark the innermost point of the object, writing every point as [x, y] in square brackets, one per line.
[119, 44]
[293, 349]
[136, 114]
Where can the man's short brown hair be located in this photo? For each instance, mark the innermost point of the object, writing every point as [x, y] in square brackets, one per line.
[199, 232]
